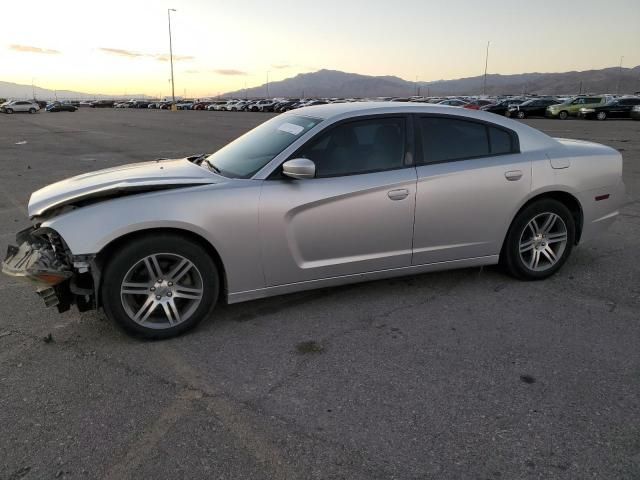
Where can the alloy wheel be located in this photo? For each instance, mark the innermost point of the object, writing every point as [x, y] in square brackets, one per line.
[161, 290]
[543, 241]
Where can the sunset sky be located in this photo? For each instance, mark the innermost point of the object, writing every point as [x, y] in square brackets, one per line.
[119, 46]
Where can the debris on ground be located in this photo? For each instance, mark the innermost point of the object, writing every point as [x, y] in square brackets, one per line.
[48, 339]
[309, 347]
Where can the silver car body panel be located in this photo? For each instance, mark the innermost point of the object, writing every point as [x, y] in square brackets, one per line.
[276, 236]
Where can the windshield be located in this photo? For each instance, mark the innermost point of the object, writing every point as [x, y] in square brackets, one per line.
[243, 157]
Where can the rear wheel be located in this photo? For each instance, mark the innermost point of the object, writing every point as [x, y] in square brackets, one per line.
[521, 114]
[32, 110]
[160, 287]
[601, 116]
[9, 110]
[539, 241]
[563, 115]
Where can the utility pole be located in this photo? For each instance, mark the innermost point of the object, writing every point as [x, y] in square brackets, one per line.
[619, 75]
[486, 64]
[580, 92]
[173, 91]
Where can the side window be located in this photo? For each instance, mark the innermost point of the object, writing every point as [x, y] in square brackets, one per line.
[446, 139]
[450, 139]
[358, 147]
[500, 141]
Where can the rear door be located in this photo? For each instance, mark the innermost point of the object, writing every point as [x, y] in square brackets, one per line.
[356, 216]
[471, 177]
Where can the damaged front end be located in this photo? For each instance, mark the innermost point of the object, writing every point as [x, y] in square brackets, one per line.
[43, 259]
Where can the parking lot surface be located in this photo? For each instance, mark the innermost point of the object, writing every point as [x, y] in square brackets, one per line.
[465, 374]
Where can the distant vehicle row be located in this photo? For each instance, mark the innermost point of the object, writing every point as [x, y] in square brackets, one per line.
[598, 107]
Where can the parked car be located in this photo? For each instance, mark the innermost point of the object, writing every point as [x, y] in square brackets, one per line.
[453, 102]
[19, 106]
[536, 107]
[635, 113]
[502, 106]
[141, 104]
[200, 105]
[184, 105]
[478, 104]
[102, 104]
[617, 108]
[317, 197]
[572, 107]
[61, 107]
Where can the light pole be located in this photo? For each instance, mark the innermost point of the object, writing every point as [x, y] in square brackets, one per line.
[173, 91]
[268, 72]
[486, 64]
[33, 89]
[619, 75]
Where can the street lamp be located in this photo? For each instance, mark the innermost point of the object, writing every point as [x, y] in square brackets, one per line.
[619, 75]
[173, 90]
[486, 63]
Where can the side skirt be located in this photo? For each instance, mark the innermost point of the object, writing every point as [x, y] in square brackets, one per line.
[360, 277]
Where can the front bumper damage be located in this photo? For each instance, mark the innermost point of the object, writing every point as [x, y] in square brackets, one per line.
[43, 259]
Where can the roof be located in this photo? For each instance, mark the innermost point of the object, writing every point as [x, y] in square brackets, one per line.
[530, 138]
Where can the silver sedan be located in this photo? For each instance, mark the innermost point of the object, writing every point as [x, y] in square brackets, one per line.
[318, 197]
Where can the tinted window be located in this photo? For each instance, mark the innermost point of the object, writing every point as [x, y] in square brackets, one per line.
[450, 139]
[500, 141]
[358, 147]
[445, 139]
[593, 100]
[630, 101]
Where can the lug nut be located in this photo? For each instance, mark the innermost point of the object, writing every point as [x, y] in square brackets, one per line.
[158, 297]
[169, 294]
[153, 289]
[170, 284]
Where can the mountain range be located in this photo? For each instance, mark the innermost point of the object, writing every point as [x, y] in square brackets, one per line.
[333, 83]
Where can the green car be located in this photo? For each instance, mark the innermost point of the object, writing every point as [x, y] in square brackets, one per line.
[573, 106]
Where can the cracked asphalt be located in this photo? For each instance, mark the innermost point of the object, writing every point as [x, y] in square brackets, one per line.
[464, 374]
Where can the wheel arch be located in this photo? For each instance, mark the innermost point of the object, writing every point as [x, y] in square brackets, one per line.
[566, 198]
[103, 255]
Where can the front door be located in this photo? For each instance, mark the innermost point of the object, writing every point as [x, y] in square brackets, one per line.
[356, 216]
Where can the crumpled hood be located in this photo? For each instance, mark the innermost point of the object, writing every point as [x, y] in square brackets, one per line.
[136, 177]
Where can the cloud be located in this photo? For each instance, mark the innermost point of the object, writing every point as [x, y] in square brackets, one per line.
[30, 49]
[229, 71]
[192, 71]
[121, 53]
[161, 57]
[176, 58]
[281, 66]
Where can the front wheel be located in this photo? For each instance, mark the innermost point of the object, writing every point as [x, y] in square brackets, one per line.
[563, 115]
[539, 241]
[161, 286]
[9, 111]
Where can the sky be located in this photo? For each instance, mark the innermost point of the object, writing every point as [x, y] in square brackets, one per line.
[121, 46]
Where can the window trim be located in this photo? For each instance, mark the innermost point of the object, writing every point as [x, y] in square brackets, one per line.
[409, 145]
[419, 159]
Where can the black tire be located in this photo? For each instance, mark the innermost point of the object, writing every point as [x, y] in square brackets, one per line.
[511, 257]
[601, 115]
[123, 260]
[563, 115]
[507, 114]
[9, 111]
[32, 110]
[521, 114]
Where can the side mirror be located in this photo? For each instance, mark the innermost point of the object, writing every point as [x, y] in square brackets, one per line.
[300, 168]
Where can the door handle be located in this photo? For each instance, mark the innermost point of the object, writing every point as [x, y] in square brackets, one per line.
[399, 194]
[513, 175]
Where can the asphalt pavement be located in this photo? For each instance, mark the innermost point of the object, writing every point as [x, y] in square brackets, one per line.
[466, 374]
